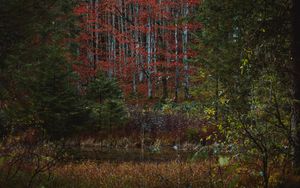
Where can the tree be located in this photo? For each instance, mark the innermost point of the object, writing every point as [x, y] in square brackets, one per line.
[106, 103]
[41, 85]
[145, 45]
[296, 82]
[245, 53]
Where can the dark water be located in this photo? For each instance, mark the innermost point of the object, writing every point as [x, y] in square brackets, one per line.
[127, 155]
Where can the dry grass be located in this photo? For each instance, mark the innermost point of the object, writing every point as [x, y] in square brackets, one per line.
[153, 175]
[168, 174]
[147, 175]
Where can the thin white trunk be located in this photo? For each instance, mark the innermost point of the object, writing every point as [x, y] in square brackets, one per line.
[113, 66]
[184, 50]
[135, 11]
[109, 49]
[176, 61]
[96, 33]
[149, 58]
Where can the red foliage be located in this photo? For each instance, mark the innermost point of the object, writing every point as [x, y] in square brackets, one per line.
[132, 39]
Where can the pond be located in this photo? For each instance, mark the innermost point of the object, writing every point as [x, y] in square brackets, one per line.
[127, 155]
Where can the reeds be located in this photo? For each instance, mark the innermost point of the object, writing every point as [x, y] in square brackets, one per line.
[167, 174]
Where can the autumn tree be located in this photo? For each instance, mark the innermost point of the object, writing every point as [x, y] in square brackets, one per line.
[144, 44]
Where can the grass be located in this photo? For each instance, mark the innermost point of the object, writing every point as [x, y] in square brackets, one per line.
[153, 175]
[167, 174]
[204, 173]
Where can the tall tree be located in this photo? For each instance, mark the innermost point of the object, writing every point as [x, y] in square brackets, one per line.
[139, 35]
[296, 81]
[245, 53]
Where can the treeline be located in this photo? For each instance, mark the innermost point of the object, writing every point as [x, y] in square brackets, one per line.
[146, 45]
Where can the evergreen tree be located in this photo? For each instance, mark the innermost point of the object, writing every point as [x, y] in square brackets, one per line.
[38, 86]
[106, 101]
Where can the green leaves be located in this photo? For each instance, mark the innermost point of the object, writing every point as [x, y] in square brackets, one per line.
[244, 64]
[246, 53]
[223, 161]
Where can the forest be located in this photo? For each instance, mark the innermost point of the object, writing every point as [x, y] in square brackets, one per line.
[151, 94]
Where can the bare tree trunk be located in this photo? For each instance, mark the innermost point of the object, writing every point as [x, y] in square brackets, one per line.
[176, 61]
[96, 57]
[141, 58]
[154, 57]
[165, 43]
[110, 49]
[113, 46]
[122, 44]
[92, 41]
[184, 49]
[133, 48]
[149, 58]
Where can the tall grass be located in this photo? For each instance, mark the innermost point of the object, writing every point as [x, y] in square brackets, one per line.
[167, 174]
[205, 173]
